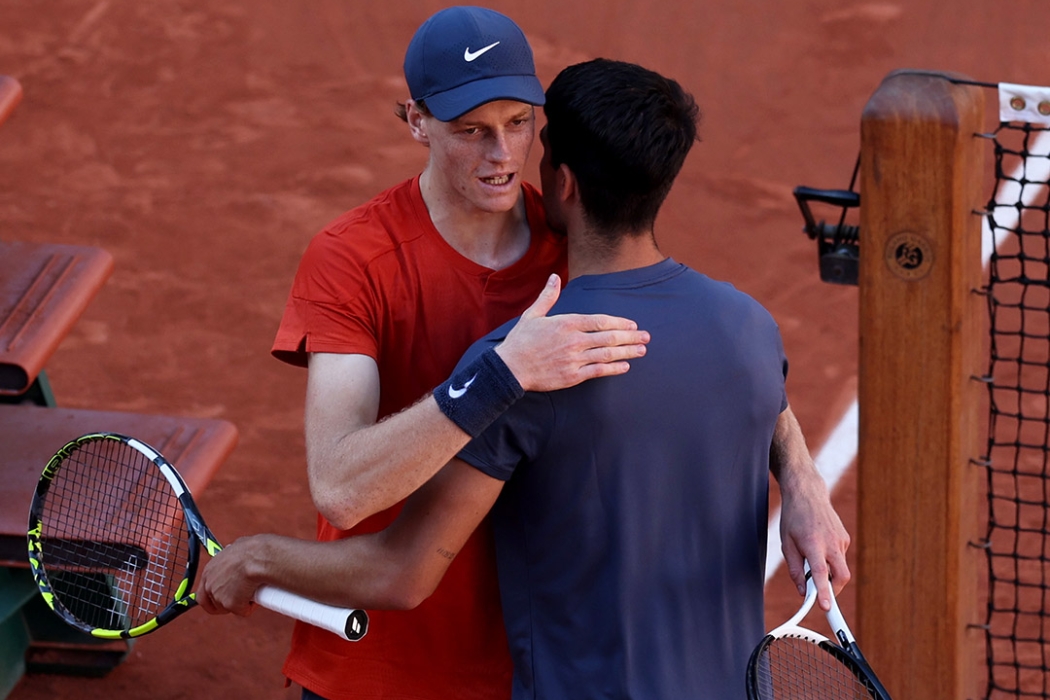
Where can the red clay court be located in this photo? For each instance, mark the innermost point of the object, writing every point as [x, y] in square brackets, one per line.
[203, 143]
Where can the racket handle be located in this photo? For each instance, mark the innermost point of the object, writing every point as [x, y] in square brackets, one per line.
[351, 625]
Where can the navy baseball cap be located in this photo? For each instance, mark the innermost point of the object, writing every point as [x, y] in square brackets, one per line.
[463, 57]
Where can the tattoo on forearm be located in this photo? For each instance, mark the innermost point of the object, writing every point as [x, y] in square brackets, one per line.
[445, 553]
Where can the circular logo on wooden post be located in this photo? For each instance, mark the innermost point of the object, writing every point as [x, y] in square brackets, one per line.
[909, 255]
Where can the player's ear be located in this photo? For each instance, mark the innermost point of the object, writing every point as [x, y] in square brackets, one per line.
[565, 184]
[417, 122]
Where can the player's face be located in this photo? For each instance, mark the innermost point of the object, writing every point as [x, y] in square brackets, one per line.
[478, 158]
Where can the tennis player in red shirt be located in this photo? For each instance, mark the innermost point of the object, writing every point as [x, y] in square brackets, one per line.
[386, 300]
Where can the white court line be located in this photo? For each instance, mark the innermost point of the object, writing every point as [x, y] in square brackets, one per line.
[1008, 215]
[840, 450]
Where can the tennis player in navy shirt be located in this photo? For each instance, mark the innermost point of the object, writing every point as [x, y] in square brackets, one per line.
[631, 530]
[630, 512]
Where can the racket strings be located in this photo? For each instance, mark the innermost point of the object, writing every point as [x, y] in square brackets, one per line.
[797, 669]
[114, 543]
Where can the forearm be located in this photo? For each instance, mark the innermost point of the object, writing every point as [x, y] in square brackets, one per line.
[397, 568]
[810, 528]
[358, 572]
[790, 461]
[373, 468]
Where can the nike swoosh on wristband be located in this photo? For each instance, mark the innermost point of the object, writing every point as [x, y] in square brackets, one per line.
[469, 56]
[456, 393]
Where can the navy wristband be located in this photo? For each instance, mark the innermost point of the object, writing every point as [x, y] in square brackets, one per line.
[479, 393]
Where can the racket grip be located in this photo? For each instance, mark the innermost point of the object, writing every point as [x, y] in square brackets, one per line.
[351, 625]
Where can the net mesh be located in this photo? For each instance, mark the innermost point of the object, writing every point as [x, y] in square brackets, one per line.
[1018, 536]
[113, 541]
[790, 668]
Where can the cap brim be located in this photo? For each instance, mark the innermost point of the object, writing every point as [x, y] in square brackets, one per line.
[456, 102]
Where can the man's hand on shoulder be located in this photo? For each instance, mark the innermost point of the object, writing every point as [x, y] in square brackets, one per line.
[546, 353]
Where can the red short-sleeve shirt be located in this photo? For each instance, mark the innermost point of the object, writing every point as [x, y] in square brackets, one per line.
[381, 281]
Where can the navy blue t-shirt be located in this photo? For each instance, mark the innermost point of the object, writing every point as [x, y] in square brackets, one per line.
[631, 534]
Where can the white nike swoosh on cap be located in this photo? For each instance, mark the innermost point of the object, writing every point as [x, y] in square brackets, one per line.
[456, 393]
[469, 56]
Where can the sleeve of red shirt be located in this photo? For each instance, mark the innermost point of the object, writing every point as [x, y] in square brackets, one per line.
[332, 306]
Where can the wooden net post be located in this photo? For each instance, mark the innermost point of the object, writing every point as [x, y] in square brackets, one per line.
[920, 349]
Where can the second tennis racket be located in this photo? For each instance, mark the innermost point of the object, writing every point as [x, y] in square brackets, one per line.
[114, 543]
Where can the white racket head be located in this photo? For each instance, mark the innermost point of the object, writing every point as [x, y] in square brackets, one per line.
[793, 662]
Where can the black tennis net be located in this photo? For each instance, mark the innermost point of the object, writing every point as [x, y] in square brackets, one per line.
[1018, 480]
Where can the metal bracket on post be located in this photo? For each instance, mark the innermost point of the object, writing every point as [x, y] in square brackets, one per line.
[837, 244]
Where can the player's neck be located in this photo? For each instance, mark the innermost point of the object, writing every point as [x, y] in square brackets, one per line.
[492, 239]
[590, 254]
